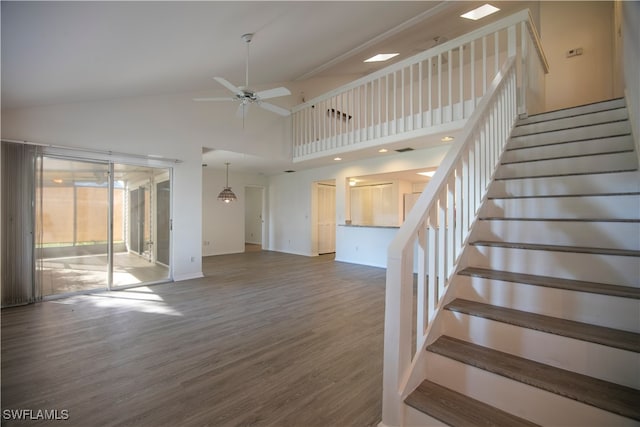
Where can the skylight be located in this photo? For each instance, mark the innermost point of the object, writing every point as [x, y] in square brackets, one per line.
[381, 57]
[480, 12]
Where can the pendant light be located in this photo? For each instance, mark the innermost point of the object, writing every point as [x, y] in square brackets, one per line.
[227, 195]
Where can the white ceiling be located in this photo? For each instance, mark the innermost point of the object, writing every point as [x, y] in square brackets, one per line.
[58, 52]
[61, 52]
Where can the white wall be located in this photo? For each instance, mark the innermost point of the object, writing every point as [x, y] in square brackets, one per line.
[290, 206]
[577, 24]
[172, 126]
[223, 224]
[631, 64]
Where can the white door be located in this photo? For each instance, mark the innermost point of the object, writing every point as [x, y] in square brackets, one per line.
[326, 218]
[253, 215]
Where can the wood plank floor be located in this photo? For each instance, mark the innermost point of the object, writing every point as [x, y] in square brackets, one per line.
[265, 339]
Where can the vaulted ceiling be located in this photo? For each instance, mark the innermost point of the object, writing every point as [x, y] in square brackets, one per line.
[56, 52]
[59, 52]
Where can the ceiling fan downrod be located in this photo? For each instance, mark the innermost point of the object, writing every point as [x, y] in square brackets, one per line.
[247, 39]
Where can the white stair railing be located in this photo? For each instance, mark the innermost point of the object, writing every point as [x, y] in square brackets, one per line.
[436, 230]
[433, 91]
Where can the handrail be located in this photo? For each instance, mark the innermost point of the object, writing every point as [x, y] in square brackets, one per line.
[522, 16]
[533, 32]
[434, 91]
[437, 228]
[436, 183]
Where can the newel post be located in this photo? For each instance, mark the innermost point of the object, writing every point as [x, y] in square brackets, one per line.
[397, 333]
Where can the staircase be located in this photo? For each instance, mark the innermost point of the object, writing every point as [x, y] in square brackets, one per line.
[544, 325]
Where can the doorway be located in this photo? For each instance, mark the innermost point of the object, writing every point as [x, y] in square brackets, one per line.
[102, 225]
[253, 218]
[73, 220]
[326, 217]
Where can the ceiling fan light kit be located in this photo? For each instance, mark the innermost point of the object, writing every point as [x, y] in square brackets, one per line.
[246, 96]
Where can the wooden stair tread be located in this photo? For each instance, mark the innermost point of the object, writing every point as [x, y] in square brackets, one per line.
[574, 195]
[567, 156]
[624, 136]
[611, 397]
[590, 125]
[616, 338]
[531, 132]
[533, 118]
[554, 282]
[506, 218]
[558, 248]
[459, 410]
[564, 174]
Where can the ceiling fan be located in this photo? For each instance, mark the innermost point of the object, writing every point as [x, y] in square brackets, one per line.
[246, 96]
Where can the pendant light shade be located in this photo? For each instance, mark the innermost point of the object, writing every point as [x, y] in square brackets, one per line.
[227, 195]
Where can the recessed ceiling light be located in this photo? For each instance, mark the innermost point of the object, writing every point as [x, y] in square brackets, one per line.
[382, 150]
[337, 158]
[57, 180]
[381, 57]
[446, 138]
[429, 174]
[480, 12]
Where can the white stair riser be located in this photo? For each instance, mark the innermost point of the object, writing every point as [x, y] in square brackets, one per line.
[570, 112]
[621, 182]
[597, 309]
[577, 134]
[598, 361]
[588, 207]
[534, 404]
[591, 234]
[415, 418]
[580, 148]
[573, 165]
[609, 269]
[572, 122]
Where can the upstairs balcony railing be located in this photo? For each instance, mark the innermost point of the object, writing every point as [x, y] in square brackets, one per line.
[431, 92]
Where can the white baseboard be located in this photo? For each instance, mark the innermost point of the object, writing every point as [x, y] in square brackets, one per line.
[187, 276]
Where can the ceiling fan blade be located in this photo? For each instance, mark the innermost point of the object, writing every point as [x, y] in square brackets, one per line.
[243, 110]
[275, 109]
[273, 93]
[214, 99]
[229, 86]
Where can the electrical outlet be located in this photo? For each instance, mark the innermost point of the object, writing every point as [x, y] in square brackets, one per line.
[574, 52]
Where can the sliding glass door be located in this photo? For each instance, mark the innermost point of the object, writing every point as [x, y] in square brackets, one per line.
[101, 225]
[72, 242]
[141, 238]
